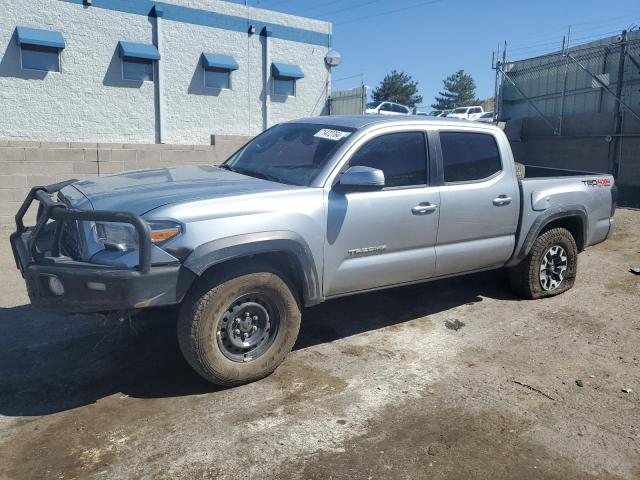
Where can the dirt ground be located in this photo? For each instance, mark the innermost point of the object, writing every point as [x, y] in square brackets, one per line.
[380, 386]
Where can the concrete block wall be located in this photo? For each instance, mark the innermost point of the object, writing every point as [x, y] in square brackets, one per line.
[24, 164]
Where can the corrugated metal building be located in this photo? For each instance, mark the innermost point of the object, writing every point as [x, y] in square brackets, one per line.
[563, 110]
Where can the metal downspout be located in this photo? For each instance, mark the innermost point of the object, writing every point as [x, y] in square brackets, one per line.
[265, 34]
[157, 13]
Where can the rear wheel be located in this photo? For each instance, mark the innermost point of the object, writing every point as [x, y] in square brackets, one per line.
[239, 329]
[550, 267]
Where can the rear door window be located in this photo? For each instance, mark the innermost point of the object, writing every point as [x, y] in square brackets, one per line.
[469, 157]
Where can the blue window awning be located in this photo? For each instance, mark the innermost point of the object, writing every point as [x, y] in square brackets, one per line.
[138, 50]
[283, 70]
[215, 60]
[39, 38]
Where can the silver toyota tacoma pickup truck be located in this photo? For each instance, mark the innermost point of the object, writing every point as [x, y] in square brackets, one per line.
[305, 212]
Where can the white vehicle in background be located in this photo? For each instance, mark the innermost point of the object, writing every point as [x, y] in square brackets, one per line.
[468, 113]
[387, 108]
[486, 117]
[438, 113]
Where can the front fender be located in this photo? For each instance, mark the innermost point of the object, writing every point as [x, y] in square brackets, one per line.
[221, 250]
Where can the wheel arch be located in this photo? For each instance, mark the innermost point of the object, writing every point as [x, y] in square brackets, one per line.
[574, 219]
[286, 252]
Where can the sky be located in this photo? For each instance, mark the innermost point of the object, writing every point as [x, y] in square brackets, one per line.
[431, 39]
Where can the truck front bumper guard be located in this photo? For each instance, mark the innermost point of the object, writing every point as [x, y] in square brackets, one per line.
[60, 284]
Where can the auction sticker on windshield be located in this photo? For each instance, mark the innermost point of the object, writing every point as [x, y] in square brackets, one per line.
[329, 134]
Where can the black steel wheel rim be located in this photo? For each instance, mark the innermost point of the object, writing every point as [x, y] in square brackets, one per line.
[248, 327]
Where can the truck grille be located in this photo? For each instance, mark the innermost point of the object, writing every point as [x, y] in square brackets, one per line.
[70, 241]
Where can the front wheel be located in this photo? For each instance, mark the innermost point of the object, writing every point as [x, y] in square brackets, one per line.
[550, 267]
[240, 329]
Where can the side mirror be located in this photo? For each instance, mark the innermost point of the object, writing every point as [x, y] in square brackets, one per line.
[362, 178]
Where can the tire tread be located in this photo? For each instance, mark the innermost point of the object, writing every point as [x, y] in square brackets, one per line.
[524, 277]
[193, 315]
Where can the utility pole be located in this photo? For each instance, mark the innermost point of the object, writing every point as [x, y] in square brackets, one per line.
[500, 102]
[617, 114]
[494, 60]
[565, 50]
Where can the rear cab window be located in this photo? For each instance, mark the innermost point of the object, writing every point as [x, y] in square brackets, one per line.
[469, 156]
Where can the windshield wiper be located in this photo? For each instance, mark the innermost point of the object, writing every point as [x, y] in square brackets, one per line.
[262, 175]
[226, 167]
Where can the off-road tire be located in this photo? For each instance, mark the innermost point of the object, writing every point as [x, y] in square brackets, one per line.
[525, 277]
[209, 300]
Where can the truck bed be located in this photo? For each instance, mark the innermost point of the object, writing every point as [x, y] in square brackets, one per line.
[547, 193]
[535, 171]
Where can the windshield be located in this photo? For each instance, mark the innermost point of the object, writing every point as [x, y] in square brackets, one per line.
[487, 115]
[435, 113]
[460, 110]
[373, 104]
[292, 153]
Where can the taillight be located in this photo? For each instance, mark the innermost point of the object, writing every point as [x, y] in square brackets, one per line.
[614, 199]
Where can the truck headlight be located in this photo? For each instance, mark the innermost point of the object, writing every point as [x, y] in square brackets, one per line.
[116, 236]
[123, 237]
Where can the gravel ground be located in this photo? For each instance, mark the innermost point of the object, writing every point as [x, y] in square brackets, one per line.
[446, 380]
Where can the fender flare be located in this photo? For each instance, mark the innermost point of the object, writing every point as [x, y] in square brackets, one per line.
[548, 216]
[222, 250]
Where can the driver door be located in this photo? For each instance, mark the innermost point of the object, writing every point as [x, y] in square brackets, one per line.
[383, 237]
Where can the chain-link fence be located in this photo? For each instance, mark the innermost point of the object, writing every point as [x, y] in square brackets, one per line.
[592, 78]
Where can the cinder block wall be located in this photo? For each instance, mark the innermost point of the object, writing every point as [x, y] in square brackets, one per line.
[24, 164]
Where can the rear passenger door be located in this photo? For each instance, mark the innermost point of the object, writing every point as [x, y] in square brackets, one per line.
[479, 201]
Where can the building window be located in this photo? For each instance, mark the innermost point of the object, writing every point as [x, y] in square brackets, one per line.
[284, 78]
[138, 61]
[39, 49]
[46, 59]
[136, 69]
[217, 78]
[217, 70]
[284, 86]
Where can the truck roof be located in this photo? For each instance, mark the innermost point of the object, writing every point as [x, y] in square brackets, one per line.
[360, 121]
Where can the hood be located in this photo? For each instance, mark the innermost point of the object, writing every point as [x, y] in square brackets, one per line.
[144, 190]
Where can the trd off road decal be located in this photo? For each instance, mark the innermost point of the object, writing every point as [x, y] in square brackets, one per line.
[598, 182]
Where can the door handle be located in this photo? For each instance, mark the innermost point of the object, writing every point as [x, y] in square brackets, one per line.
[423, 208]
[502, 200]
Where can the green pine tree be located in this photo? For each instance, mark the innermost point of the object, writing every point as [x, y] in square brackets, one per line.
[459, 91]
[398, 87]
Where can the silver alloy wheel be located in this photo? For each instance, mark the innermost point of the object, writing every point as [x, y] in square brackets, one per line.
[553, 268]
